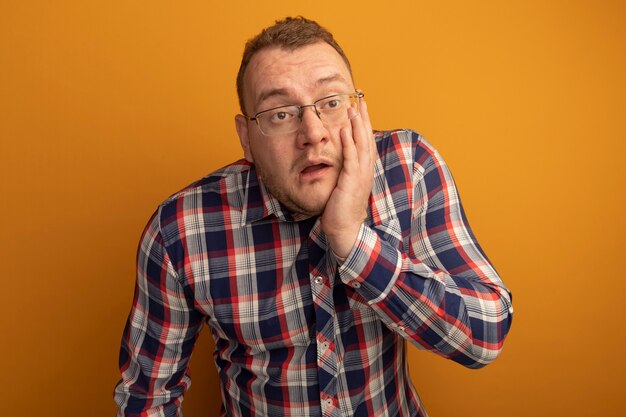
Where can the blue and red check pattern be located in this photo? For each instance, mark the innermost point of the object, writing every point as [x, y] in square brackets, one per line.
[296, 332]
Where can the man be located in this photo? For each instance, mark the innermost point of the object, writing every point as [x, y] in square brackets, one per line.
[313, 260]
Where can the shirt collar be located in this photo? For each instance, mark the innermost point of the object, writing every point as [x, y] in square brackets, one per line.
[260, 204]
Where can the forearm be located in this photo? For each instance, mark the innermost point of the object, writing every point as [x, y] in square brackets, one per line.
[159, 335]
[154, 376]
[462, 319]
[418, 263]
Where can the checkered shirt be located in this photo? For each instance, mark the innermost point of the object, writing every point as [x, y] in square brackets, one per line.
[298, 332]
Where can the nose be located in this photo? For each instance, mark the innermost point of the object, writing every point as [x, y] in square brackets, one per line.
[312, 130]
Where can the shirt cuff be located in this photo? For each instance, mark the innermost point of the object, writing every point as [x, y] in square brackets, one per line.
[372, 267]
[338, 258]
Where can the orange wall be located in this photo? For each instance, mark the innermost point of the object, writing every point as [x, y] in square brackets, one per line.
[108, 107]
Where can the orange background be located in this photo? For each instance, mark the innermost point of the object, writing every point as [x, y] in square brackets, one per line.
[106, 108]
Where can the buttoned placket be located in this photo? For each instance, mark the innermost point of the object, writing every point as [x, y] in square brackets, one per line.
[322, 268]
[321, 289]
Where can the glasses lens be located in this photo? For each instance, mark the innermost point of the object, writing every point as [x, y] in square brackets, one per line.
[334, 109]
[280, 120]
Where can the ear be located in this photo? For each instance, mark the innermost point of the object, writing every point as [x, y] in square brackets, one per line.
[241, 124]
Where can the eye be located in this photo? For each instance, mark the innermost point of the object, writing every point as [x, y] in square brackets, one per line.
[331, 103]
[282, 115]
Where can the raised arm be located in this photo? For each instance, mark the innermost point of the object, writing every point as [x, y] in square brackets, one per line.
[436, 288]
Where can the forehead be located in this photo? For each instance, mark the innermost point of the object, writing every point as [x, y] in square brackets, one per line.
[278, 73]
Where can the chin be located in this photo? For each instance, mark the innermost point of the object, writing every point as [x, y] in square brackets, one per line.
[309, 200]
[311, 204]
[317, 198]
[307, 208]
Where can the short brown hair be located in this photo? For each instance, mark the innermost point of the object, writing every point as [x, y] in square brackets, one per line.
[289, 33]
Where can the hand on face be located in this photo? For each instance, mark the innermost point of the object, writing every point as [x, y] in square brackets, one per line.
[346, 208]
[319, 169]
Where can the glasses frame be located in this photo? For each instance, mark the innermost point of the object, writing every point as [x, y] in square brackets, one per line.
[358, 93]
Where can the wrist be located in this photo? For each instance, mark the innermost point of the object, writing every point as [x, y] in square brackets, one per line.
[341, 242]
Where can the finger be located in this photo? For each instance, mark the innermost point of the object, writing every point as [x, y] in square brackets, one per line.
[368, 126]
[350, 154]
[359, 131]
[363, 111]
[363, 137]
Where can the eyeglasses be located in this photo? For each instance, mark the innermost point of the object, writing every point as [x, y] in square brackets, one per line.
[332, 111]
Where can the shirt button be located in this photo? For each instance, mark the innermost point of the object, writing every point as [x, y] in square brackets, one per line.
[356, 284]
[318, 280]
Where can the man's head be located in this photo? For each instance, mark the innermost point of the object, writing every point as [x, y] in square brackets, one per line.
[289, 33]
[295, 62]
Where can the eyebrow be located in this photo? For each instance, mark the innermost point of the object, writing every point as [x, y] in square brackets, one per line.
[271, 93]
[285, 92]
[330, 78]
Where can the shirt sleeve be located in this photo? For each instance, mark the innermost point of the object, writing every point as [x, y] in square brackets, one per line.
[159, 336]
[439, 291]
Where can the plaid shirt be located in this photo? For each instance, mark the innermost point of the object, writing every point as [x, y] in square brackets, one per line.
[297, 332]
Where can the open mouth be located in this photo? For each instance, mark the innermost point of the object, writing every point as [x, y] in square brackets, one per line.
[314, 168]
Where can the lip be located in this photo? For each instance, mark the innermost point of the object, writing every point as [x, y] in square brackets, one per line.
[314, 169]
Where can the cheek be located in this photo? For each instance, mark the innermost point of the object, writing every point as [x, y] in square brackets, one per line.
[335, 135]
[273, 162]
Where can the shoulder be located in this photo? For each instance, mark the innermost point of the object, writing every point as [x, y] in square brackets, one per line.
[220, 190]
[405, 145]
[218, 181]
